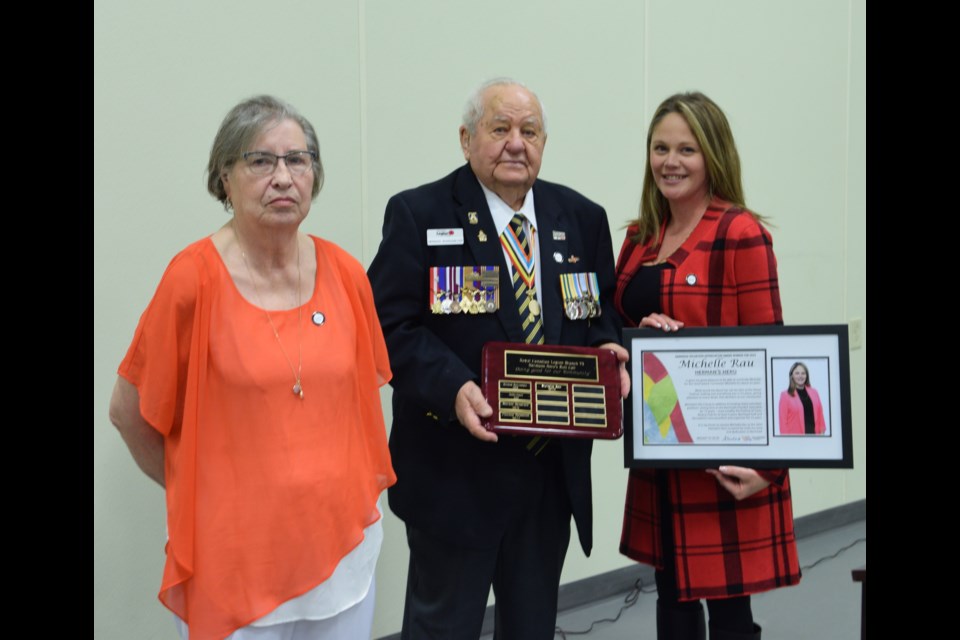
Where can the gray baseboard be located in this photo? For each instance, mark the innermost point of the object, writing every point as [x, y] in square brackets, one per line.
[830, 518]
[621, 581]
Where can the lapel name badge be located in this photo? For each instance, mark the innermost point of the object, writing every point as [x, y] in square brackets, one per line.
[472, 217]
[441, 237]
[560, 235]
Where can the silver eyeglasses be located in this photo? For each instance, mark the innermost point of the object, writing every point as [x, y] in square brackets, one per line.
[264, 163]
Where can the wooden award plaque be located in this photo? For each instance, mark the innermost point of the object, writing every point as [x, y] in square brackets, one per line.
[552, 390]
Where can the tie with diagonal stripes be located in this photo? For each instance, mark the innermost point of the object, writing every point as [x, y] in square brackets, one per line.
[521, 252]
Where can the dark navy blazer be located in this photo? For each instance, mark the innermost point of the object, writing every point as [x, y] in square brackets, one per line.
[450, 484]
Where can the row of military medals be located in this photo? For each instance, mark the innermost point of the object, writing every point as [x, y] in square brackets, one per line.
[581, 295]
[464, 289]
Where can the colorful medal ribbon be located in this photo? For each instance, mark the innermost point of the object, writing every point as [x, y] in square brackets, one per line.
[514, 242]
[595, 291]
[520, 251]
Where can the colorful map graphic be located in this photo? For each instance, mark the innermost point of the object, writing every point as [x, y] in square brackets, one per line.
[663, 418]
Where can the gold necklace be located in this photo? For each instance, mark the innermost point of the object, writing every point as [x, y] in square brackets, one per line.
[297, 386]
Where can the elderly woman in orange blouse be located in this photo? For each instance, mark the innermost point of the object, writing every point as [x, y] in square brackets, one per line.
[250, 392]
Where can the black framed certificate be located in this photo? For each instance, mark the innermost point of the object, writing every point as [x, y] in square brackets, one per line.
[762, 397]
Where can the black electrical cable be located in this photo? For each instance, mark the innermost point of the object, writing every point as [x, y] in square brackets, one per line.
[834, 555]
[629, 600]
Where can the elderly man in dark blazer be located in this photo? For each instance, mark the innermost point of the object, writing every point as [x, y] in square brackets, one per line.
[484, 510]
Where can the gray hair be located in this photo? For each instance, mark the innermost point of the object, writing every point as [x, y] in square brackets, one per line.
[473, 110]
[241, 127]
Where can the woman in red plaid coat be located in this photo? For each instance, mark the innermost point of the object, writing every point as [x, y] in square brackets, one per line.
[697, 257]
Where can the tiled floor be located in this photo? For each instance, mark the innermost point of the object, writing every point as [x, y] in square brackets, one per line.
[824, 606]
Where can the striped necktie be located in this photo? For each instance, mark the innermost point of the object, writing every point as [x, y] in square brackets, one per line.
[520, 250]
[521, 253]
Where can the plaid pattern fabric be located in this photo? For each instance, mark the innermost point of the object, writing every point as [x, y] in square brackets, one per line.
[725, 275]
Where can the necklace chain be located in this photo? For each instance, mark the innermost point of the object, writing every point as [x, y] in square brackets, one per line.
[297, 374]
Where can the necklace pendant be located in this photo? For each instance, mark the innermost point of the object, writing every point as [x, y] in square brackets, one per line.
[298, 390]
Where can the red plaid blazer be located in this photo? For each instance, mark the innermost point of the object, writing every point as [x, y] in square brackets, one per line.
[724, 548]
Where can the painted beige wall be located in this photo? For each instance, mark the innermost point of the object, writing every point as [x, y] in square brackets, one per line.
[384, 83]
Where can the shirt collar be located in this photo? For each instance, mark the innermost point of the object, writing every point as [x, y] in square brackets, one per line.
[502, 212]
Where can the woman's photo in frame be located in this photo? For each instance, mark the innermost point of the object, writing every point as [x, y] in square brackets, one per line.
[801, 409]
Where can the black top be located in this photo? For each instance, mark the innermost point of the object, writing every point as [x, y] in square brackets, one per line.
[641, 296]
[809, 424]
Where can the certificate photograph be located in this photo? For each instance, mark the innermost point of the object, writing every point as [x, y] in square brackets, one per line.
[763, 397]
[800, 409]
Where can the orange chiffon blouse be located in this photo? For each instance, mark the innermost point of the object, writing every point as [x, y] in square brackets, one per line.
[265, 491]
